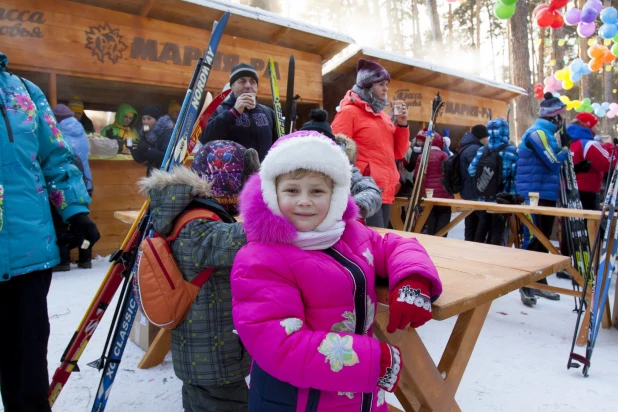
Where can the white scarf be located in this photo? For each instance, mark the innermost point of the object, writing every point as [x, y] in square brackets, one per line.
[320, 240]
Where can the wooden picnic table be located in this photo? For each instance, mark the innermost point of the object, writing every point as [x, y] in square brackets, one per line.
[523, 213]
[473, 275]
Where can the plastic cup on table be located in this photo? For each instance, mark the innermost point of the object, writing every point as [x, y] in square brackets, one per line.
[429, 193]
[534, 198]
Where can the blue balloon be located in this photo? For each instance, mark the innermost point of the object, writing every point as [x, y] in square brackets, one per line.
[586, 70]
[608, 31]
[605, 105]
[575, 76]
[600, 112]
[595, 106]
[609, 15]
[576, 65]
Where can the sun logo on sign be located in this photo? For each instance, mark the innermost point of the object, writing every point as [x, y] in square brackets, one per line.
[105, 41]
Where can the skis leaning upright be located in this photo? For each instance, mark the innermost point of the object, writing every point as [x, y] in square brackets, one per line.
[274, 88]
[123, 260]
[290, 100]
[414, 205]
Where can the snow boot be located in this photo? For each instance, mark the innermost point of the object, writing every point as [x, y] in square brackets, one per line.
[563, 274]
[547, 294]
[84, 265]
[62, 267]
[527, 297]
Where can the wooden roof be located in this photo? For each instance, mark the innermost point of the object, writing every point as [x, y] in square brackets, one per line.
[246, 22]
[415, 71]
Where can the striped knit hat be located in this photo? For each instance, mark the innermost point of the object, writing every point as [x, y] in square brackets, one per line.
[551, 106]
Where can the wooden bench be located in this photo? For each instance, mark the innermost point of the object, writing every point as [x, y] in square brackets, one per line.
[473, 275]
[523, 213]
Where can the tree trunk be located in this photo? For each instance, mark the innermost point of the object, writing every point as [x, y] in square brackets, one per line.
[416, 30]
[583, 49]
[532, 48]
[557, 51]
[541, 62]
[519, 63]
[450, 24]
[478, 25]
[434, 19]
[491, 40]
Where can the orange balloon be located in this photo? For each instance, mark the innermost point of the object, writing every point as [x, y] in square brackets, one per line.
[597, 51]
[608, 57]
[595, 65]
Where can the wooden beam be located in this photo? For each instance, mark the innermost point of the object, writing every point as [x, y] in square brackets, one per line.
[329, 45]
[456, 83]
[429, 78]
[402, 72]
[146, 7]
[53, 90]
[280, 35]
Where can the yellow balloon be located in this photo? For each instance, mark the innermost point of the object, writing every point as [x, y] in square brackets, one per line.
[576, 104]
[560, 75]
[565, 100]
[567, 84]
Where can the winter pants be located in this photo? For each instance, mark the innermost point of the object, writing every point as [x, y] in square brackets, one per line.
[491, 228]
[545, 225]
[381, 218]
[228, 398]
[439, 217]
[23, 347]
[471, 224]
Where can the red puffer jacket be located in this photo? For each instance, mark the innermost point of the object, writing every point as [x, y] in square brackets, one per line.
[434, 168]
[596, 153]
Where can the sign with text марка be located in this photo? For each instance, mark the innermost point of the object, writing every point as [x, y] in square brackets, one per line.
[460, 109]
[75, 39]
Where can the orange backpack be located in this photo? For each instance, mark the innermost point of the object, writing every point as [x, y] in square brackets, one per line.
[162, 293]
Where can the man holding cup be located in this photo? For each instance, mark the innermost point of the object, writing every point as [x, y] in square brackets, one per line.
[240, 118]
[538, 174]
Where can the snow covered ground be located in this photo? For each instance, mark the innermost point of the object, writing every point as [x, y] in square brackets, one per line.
[518, 364]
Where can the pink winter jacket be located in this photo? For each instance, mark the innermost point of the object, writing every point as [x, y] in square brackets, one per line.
[296, 311]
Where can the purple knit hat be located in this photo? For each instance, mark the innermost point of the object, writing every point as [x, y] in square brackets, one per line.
[224, 164]
[369, 72]
[61, 112]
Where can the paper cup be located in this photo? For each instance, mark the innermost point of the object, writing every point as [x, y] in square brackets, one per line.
[429, 193]
[534, 198]
[397, 107]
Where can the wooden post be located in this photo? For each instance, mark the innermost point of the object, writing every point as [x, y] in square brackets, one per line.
[53, 90]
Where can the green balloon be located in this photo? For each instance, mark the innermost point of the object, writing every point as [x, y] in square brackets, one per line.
[507, 2]
[586, 102]
[616, 38]
[503, 11]
[614, 49]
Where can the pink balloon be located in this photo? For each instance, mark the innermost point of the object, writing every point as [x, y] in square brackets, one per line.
[586, 29]
[452, 1]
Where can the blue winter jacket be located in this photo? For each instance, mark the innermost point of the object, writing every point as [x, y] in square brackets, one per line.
[469, 146]
[540, 159]
[74, 133]
[35, 168]
[498, 130]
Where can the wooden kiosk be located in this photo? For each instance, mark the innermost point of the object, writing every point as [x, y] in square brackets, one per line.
[143, 52]
[469, 99]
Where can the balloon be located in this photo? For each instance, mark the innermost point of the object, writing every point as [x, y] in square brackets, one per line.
[589, 14]
[586, 70]
[575, 76]
[586, 29]
[595, 105]
[559, 21]
[552, 84]
[608, 31]
[608, 57]
[605, 105]
[576, 65]
[557, 4]
[599, 112]
[503, 11]
[567, 84]
[452, 1]
[596, 4]
[545, 18]
[595, 65]
[585, 106]
[508, 2]
[539, 8]
[597, 51]
[609, 15]
[612, 111]
[614, 49]
[572, 16]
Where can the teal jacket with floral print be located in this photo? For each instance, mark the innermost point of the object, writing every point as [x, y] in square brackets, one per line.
[36, 167]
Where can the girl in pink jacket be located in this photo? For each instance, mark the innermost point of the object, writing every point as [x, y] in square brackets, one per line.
[303, 290]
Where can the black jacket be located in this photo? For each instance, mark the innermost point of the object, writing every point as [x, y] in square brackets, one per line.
[152, 145]
[254, 129]
[470, 144]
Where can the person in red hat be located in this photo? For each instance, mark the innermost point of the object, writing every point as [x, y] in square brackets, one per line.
[380, 141]
[440, 216]
[590, 157]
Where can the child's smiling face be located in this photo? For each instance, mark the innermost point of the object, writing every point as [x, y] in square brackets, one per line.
[304, 198]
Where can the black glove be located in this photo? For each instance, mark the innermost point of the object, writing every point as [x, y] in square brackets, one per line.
[565, 139]
[583, 166]
[82, 228]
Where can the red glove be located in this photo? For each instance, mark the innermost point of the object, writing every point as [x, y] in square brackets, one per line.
[409, 303]
[390, 367]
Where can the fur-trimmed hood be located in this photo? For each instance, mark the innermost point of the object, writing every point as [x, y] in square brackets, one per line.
[262, 225]
[348, 145]
[170, 193]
